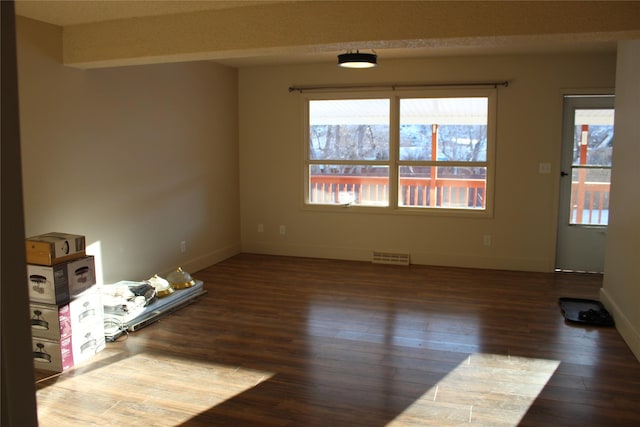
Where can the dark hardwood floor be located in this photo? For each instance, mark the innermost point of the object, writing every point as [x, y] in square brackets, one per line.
[281, 341]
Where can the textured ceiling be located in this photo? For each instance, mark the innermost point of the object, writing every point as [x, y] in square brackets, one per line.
[73, 12]
[240, 33]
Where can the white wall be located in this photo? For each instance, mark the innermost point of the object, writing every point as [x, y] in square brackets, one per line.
[136, 158]
[621, 290]
[523, 228]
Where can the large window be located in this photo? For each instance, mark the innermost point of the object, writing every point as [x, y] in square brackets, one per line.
[414, 153]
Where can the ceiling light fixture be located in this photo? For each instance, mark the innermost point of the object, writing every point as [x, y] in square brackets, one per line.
[357, 60]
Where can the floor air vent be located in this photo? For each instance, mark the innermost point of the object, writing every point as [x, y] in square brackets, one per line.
[390, 258]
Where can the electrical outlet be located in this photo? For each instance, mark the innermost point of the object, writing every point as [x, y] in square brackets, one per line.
[183, 246]
[486, 240]
[283, 229]
[260, 228]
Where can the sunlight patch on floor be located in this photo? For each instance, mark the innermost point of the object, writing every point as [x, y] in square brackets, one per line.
[484, 390]
[182, 389]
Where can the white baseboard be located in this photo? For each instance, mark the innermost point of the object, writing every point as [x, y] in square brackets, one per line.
[418, 258]
[630, 335]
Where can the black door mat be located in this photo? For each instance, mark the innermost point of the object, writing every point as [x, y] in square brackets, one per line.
[585, 311]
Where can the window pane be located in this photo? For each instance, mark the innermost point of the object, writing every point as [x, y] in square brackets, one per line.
[457, 125]
[360, 185]
[465, 143]
[590, 196]
[353, 129]
[415, 142]
[442, 187]
[593, 137]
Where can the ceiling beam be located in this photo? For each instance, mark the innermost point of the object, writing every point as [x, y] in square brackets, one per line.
[320, 26]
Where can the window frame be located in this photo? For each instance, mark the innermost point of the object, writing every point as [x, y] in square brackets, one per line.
[394, 163]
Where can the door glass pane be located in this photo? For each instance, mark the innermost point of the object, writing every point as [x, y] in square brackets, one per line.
[590, 190]
[593, 137]
[591, 166]
[358, 185]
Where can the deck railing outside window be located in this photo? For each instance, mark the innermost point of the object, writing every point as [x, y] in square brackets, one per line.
[414, 192]
[458, 193]
[594, 199]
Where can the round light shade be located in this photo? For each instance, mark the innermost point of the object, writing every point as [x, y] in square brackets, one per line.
[357, 60]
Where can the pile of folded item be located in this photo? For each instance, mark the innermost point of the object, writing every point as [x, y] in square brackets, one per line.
[129, 305]
[122, 301]
[126, 297]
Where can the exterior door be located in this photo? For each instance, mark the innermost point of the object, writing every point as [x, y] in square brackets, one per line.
[587, 146]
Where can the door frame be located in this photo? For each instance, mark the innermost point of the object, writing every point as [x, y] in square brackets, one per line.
[579, 234]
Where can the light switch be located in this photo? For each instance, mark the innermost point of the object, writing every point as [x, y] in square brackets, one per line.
[544, 168]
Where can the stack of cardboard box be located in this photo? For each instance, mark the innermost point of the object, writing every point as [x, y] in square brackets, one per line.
[67, 316]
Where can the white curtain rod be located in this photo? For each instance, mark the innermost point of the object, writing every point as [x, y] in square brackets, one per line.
[398, 86]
